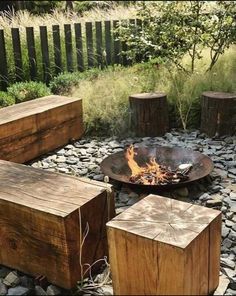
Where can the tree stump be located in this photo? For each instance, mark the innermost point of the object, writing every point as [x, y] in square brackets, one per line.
[149, 114]
[218, 116]
[162, 246]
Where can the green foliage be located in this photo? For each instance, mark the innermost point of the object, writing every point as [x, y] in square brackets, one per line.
[172, 29]
[42, 6]
[6, 99]
[105, 98]
[65, 82]
[26, 91]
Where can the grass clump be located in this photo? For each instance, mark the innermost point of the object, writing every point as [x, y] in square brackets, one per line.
[6, 99]
[26, 91]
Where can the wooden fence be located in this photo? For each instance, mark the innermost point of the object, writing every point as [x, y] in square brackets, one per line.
[70, 47]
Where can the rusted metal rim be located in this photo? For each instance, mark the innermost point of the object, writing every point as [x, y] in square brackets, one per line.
[115, 165]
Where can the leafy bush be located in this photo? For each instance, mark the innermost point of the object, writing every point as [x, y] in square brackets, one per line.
[26, 91]
[64, 83]
[6, 99]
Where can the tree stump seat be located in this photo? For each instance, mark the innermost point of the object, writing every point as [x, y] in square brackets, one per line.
[162, 246]
[43, 219]
[149, 114]
[33, 128]
[218, 113]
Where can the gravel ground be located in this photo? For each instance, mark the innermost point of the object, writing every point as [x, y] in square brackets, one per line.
[217, 191]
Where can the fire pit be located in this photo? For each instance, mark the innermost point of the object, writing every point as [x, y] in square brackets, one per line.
[157, 167]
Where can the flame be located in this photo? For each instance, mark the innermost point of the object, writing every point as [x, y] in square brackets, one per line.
[152, 169]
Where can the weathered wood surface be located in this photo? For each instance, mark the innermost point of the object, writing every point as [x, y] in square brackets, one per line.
[166, 247]
[42, 215]
[32, 128]
[149, 114]
[218, 115]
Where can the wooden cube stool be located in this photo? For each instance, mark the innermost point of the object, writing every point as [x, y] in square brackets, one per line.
[162, 246]
[43, 217]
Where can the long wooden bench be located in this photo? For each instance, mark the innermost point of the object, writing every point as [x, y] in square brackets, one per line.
[32, 128]
[42, 218]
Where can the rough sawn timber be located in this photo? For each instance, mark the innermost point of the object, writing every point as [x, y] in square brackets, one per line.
[30, 129]
[162, 246]
[42, 218]
[218, 115]
[149, 114]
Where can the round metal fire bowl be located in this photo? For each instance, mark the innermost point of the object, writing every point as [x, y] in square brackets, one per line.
[115, 165]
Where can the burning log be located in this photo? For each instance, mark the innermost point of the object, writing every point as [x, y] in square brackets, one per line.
[153, 173]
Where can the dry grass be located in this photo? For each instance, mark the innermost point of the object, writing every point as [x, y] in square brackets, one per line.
[22, 19]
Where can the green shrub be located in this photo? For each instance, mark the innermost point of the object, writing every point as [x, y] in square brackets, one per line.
[6, 99]
[65, 82]
[26, 91]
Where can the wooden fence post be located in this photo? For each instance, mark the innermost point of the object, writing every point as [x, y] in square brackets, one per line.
[17, 54]
[57, 48]
[108, 41]
[31, 52]
[45, 54]
[3, 62]
[79, 47]
[69, 49]
[89, 39]
[117, 43]
[98, 27]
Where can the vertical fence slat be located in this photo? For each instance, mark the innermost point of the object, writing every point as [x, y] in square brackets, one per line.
[45, 53]
[69, 49]
[57, 48]
[108, 41]
[17, 53]
[3, 62]
[89, 41]
[139, 25]
[132, 24]
[79, 47]
[31, 52]
[117, 44]
[98, 27]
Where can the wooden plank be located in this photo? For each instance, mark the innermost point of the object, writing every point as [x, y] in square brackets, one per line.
[68, 45]
[89, 42]
[45, 54]
[45, 214]
[31, 52]
[57, 48]
[79, 47]
[33, 128]
[99, 54]
[3, 62]
[117, 43]
[108, 42]
[17, 54]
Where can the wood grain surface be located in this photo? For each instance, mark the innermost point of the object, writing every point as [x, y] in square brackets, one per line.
[162, 246]
[32, 128]
[40, 214]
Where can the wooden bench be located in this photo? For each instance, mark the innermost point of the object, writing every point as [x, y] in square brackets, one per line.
[42, 218]
[32, 128]
[162, 246]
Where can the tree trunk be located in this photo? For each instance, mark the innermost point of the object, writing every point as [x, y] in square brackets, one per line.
[218, 116]
[149, 114]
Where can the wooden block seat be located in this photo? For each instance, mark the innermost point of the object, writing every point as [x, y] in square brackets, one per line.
[149, 114]
[42, 218]
[32, 128]
[162, 246]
